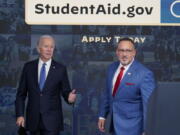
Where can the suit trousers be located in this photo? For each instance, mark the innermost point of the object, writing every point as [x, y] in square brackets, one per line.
[42, 129]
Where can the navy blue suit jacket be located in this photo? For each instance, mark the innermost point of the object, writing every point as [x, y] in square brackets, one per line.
[129, 106]
[48, 102]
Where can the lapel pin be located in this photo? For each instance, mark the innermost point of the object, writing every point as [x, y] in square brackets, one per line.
[53, 67]
[129, 73]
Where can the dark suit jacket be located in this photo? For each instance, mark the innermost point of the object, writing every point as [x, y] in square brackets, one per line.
[48, 102]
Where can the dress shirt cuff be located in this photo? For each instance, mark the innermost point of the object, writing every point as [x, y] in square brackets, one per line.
[101, 118]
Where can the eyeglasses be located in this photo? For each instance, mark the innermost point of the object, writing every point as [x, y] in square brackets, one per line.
[125, 51]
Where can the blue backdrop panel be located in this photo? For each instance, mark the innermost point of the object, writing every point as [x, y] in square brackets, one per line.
[87, 64]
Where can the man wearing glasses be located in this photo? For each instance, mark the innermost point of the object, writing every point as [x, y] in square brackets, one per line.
[129, 85]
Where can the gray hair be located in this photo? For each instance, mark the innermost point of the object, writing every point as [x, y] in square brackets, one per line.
[44, 36]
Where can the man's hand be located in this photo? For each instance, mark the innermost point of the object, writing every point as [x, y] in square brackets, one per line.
[101, 125]
[20, 121]
[72, 96]
[143, 133]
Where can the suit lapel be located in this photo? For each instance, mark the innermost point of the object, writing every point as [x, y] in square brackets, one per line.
[112, 74]
[35, 74]
[128, 75]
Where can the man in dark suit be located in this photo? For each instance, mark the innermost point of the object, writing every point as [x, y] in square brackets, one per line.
[129, 85]
[42, 82]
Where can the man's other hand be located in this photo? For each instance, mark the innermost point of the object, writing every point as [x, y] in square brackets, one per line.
[72, 96]
[101, 125]
[20, 121]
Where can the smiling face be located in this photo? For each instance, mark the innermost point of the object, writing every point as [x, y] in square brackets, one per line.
[46, 48]
[125, 52]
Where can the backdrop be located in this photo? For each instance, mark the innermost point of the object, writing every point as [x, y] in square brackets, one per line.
[87, 51]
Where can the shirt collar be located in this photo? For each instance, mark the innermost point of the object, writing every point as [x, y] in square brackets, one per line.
[47, 62]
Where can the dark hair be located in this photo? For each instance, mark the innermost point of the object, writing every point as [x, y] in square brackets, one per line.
[126, 39]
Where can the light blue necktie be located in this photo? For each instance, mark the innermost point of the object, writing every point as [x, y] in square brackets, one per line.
[42, 76]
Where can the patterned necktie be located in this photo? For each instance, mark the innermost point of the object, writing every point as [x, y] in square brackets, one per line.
[42, 76]
[118, 80]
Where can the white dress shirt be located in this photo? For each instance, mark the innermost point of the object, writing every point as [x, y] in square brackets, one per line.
[48, 64]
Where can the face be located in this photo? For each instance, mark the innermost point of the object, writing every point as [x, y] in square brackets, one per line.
[46, 48]
[125, 52]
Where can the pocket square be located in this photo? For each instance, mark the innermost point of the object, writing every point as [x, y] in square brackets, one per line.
[130, 83]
